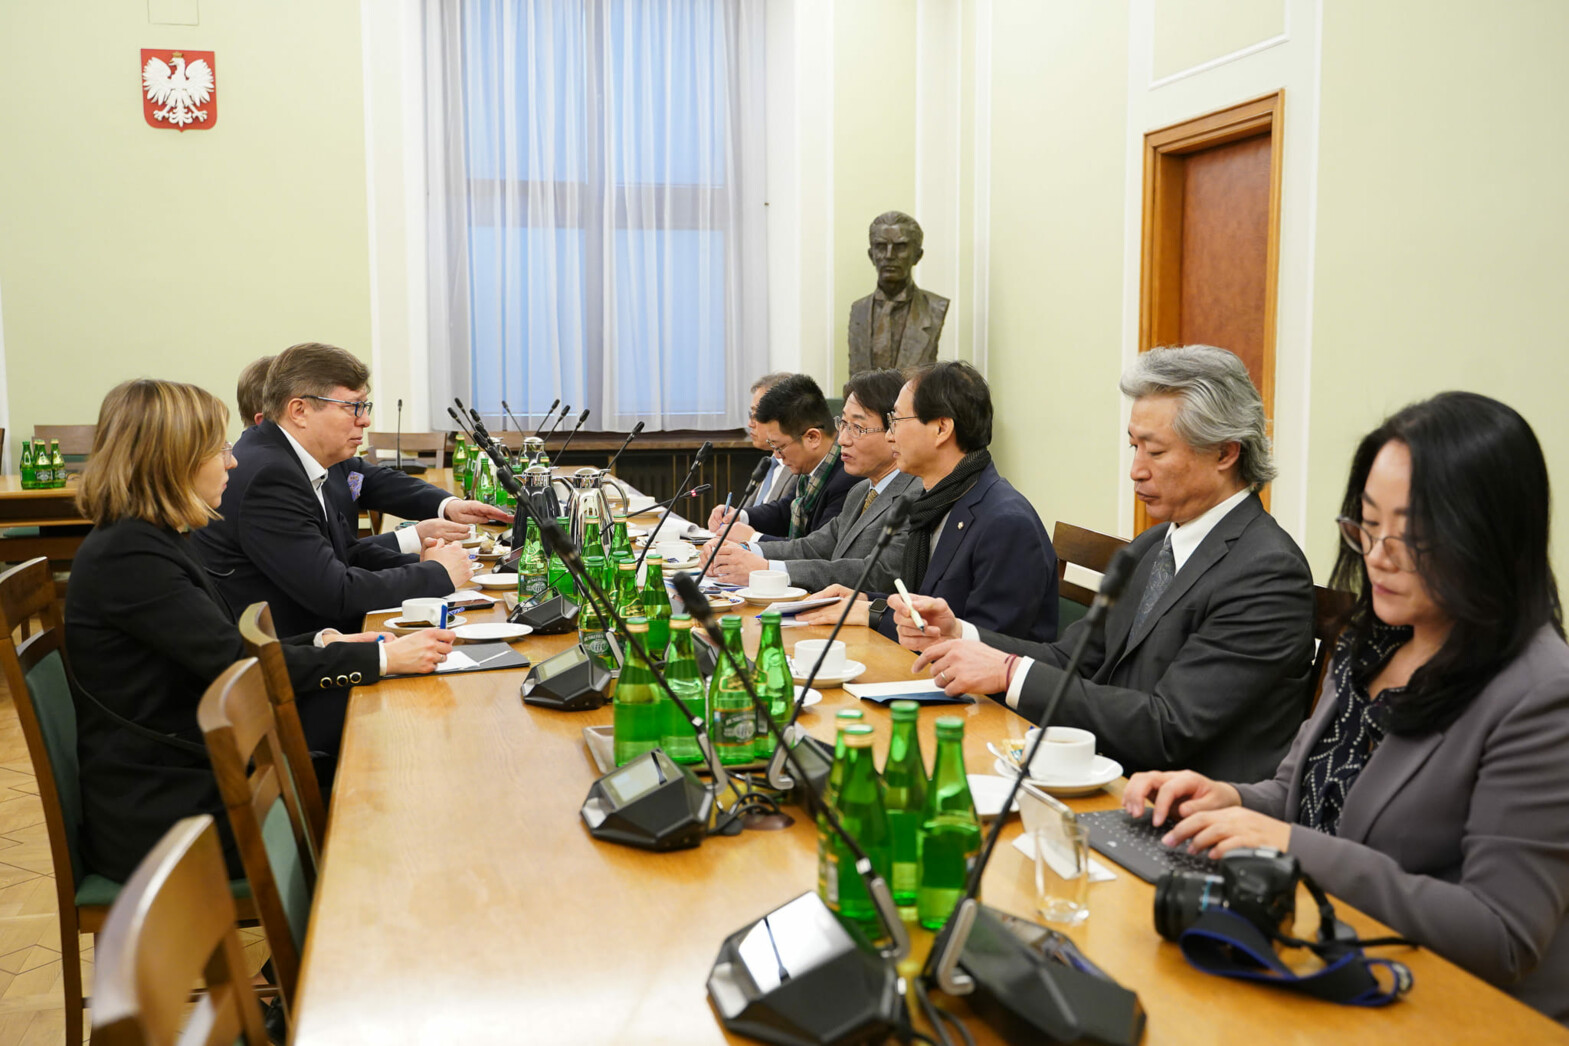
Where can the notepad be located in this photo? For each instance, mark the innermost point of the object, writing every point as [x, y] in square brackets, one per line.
[922, 691]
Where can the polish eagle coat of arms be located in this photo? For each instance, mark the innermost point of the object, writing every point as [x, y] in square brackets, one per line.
[179, 89]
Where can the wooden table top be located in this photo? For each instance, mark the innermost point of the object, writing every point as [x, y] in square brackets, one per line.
[463, 900]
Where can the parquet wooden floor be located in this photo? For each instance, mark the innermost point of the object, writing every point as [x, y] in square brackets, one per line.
[32, 1007]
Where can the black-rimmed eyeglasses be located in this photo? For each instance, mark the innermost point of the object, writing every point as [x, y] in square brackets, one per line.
[1361, 539]
[359, 408]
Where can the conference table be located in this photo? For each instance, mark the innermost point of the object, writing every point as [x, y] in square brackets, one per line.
[39, 522]
[462, 900]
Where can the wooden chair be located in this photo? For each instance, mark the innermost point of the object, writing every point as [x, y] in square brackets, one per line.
[172, 924]
[1330, 606]
[248, 760]
[76, 442]
[261, 642]
[1084, 548]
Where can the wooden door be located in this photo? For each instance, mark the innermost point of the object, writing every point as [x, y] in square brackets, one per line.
[1211, 239]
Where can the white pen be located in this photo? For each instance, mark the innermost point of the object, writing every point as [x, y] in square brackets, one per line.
[915, 615]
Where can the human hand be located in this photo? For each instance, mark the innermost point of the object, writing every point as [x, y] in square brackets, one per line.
[441, 530]
[939, 618]
[734, 563]
[461, 566]
[829, 615]
[419, 652]
[476, 512]
[965, 666]
[719, 517]
[1184, 792]
[1231, 828]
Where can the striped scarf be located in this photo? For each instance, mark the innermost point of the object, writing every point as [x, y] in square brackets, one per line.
[810, 489]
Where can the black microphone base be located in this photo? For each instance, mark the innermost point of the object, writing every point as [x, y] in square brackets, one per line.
[798, 977]
[816, 758]
[411, 468]
[650, 803]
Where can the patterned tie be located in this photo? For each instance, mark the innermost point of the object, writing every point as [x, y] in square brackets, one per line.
[871, 496]
[1160, 579]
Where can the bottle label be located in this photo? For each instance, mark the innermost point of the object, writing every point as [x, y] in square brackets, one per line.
[532, 585]
[598, 646]
[831, 881]
[735, 727]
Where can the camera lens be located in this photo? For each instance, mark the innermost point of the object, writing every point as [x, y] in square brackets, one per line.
[1181, 897]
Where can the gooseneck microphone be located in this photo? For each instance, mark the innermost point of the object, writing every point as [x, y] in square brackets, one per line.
[751, 484]
[898, 512]
[565, 409]
[701, 488]
[637, 430]
[580, 419]
[508, 411]
[697, 463]
[546, 419]
[411, 468]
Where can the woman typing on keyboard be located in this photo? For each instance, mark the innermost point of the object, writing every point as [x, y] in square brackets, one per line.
[1430, 787]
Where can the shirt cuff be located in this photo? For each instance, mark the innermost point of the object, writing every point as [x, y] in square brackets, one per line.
[408, 540]
[324, 635]
[441, 509]
[381, 658]
[969, 631]
[778, 564]
[748, 522]
[755, 547]
[1016, 687]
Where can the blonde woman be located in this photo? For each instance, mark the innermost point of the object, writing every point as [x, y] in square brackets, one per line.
[146, 631]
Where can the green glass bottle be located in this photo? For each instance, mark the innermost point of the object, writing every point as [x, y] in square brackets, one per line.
[533, 566]
[43, 472]
[26, 468]
[732, 724]
[843, 720]
[629, 603]
[485, 486]
[682, 673]
[460, 464]
[592, 541]
[56, 464]
[655, 601]
[639, 717]
[771, 679]
[620, 538]
[862, 814]
[590, 619]
[560, 576]
[904, 793]
[950, 830]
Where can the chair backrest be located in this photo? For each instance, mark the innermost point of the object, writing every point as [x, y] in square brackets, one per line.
[1084, 548]
[428, 448]
[35, 675]
[261, 642]
[1329, 608]
[172, 925]
[76, 442]
[235, 716]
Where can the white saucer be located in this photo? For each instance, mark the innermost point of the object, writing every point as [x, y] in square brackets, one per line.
[813, 696]
[989, 792]
[1102, 773]
[495, 580]
[492, 630]
[778, 597]
[852, 672]
[403, 628]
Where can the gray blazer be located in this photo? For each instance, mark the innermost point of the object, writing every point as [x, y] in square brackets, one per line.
[837, 553]
[1216, 677]
[1459, 839]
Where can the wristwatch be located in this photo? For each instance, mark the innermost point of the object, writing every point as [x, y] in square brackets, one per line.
[875, 612]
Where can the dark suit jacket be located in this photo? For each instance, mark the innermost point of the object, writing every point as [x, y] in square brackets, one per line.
[274, 544]
[772, 520]
[147, 633]
[381, 489]
[782, 485]
[1215, 678]
[1458, 838]
[922, 330]
[993, 563]
[837, 553]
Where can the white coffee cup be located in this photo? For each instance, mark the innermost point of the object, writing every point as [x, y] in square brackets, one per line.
[807, 651]
[673, 551]
[425, 609]
[1068, 754]
[768, 582]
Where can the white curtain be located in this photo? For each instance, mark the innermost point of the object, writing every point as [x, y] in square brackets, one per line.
[597, 227]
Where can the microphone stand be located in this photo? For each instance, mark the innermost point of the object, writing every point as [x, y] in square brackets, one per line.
[636, 431]
[407, 468]
[546, 419]
[697, 463]
[559, 419]
[752, 483]
[580, 419]
[897, 514]
[941, 965]
[508, 411]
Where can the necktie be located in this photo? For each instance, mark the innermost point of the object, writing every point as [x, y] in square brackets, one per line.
[1160, 579]
[871, 496]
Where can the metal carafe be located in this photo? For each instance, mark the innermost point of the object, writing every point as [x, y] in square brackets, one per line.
[599, 488]
[541, 494]
[533, 450]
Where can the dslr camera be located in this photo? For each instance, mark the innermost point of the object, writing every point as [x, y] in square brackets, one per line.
[1259, 884]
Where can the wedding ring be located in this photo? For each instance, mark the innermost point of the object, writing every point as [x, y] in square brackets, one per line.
[942, 677]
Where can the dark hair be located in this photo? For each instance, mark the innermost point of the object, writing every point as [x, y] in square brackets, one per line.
[311, 369]
[250, 395]
[768, 381]
[797, 404]
[875, 390]
[954, 389]
[1478, 525]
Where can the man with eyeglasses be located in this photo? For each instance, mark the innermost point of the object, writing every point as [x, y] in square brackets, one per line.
[1205, 661]
[837, 552]
[283, 539]
[793, 419]
[779, 481]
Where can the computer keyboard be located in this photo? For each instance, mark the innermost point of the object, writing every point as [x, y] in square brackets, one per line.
[1135, 844]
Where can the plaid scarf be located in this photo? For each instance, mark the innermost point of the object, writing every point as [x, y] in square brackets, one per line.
[810, 489]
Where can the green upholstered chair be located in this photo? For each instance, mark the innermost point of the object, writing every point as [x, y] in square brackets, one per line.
[235, 716]
[173, 923]
[1084, 548]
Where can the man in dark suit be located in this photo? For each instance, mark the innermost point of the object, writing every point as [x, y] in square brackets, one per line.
[837, 553]
[794, 422]
[1205, 661]
[779, 481]
[972, 540]
[285, 540]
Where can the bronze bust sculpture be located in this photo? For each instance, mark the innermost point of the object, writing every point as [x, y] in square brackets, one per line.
[898, 324]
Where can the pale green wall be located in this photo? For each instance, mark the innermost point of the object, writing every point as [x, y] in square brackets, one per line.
[1192, 32]
[127, 251]
[1442, 222]
[1059, 107]
[874, 144]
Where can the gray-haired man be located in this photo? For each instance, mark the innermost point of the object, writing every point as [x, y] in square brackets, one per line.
[1205, 661]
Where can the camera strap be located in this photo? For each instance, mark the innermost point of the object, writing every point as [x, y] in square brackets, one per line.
[1226, 944]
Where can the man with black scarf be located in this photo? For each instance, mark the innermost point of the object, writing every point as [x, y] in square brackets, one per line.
[974, 540]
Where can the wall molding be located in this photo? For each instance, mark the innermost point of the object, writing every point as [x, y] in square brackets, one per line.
[1225, 59]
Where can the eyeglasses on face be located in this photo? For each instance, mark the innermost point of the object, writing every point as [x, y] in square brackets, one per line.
[777, 447]
[861, 431]
[359, 408]
[891, 419]
[1361, 539]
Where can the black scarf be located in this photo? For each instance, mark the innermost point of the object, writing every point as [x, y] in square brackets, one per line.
[928, 510]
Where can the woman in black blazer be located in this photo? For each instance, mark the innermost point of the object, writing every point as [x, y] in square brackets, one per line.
[146, 632]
